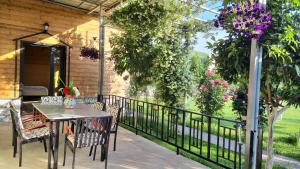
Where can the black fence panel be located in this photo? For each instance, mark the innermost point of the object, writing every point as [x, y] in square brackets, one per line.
[214, 139]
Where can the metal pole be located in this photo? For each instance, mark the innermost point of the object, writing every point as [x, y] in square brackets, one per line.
[253, 102]
[101, 50]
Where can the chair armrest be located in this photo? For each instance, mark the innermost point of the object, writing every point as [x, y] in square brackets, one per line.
[37, 117]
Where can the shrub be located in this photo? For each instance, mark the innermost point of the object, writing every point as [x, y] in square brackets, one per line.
[212, 93]
[240, 102]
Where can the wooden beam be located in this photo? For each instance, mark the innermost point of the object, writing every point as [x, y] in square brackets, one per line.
[97, 7]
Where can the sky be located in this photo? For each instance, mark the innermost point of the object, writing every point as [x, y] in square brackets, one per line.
[202, 38]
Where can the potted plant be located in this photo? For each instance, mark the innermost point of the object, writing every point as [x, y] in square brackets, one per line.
[70, 92]
[249, 19]
[89, 52]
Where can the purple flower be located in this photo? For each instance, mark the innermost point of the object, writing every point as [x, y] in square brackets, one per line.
[248, 19]
[265, 27]
[258, 27]
[216, 24]
[236, 6]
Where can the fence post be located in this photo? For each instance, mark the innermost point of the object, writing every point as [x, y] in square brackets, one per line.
[183, 129]
[259, 147]
[208, 136]
[100, 98]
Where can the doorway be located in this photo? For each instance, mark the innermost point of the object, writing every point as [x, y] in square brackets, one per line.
[42, 69]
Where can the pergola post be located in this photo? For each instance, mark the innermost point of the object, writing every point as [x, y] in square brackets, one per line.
[101, 50]
[253, 102]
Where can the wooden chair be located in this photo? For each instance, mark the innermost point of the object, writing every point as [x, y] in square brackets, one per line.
[27, 133]
[97, 133]
[115, 111]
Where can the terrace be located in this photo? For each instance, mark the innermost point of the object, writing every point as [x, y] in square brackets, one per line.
[42, 50]
[130, 155]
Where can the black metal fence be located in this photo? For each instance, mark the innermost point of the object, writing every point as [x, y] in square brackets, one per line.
[213, 139]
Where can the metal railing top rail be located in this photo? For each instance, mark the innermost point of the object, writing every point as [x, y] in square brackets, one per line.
[180, 109]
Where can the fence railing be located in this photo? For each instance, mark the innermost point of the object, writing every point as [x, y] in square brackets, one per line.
[213, 139]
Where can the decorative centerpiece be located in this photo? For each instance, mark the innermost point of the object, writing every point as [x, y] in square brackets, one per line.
[70, 92]
[249, 19]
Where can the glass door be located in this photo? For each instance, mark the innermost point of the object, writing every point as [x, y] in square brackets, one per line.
[57, 69]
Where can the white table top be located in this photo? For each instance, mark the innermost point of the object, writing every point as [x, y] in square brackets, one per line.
[59, 112]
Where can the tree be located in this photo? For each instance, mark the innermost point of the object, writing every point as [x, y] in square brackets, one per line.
[281, 61]
[154, 44]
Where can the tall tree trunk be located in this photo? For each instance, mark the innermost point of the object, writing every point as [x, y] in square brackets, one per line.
[271, 120]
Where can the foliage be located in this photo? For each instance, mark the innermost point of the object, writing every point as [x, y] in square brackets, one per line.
[69, 90]
[199, 63]
[280, 59]
[154, 44]
[280, 83]
[212, 93]
[240, 102]
[248, 19]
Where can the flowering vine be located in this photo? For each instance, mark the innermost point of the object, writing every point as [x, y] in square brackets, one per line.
[250, 19]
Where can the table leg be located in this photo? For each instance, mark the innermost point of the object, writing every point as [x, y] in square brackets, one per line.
[55, 165]
[50, 144]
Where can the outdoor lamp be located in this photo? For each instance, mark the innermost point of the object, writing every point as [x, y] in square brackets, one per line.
[46, 26]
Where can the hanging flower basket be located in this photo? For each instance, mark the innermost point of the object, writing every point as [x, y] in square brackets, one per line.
[89, 52]
[250, 20]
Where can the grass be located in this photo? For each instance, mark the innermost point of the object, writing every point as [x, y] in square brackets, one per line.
[286, 133]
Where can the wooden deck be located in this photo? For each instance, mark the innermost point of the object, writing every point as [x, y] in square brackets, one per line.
[133, 152]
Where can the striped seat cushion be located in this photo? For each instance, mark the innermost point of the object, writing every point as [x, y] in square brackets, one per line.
[36, 133]
[31, 124]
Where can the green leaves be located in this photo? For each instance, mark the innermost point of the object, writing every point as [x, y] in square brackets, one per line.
[281, 54]
[154, 45]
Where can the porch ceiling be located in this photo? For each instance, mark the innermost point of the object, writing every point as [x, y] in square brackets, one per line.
[88, 6]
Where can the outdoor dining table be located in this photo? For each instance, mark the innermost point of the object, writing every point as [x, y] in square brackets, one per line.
[57, 114]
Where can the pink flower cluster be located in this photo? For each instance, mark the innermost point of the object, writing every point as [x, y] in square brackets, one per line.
[215, 83]
[219, 82]
[210, 73]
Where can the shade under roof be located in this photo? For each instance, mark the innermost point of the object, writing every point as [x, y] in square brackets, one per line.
[87, 5]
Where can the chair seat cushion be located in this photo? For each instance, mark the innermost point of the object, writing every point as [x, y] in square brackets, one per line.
[88, 139]
[32, 124]
[36, 133]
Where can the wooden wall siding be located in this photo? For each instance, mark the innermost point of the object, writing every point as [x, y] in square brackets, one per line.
[22, 17]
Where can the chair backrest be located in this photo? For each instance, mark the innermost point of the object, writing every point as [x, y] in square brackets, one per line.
[99, 106]
[16, 117]
[52, 100]
[115, 111]
[86, 99]
[96, 134]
